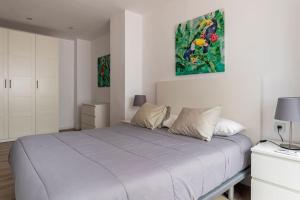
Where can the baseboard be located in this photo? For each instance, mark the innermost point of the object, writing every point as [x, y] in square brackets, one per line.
[8, 140]
[68, 129]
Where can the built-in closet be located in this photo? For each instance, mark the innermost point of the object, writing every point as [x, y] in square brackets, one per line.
[28, 84]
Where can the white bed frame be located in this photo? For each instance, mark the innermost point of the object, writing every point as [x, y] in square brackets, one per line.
[239, 97]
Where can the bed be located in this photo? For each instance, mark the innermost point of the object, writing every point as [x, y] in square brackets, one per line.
[124, 162]
[128, 162]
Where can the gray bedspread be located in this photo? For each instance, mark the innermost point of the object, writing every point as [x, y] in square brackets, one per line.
[124, 162]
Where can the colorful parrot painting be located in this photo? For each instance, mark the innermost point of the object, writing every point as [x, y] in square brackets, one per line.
[200, 45]
[104, 71]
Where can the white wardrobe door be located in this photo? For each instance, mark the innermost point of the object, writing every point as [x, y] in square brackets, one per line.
[47, 105]
[3, 85]
[22, 83]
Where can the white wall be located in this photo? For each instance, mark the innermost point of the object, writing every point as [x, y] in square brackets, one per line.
[261, 39]
[78, 77]
[133, 60]
[66, 84]
[126, 63]
[100, 47]
[83, 74]
[117, 69]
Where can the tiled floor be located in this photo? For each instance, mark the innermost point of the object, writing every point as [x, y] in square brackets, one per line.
[7, 187]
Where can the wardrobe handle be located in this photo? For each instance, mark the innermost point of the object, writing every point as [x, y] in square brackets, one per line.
[37, 84]
[5, 83]
[9, 83]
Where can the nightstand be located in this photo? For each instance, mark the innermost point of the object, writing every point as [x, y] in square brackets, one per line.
[274, 175]
[94, 116]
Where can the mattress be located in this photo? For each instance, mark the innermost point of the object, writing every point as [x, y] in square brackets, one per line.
[124, 162]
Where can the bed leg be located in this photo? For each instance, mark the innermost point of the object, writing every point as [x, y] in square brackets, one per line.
[231, 193]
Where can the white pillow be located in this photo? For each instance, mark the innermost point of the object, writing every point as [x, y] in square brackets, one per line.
[170, 121]
[226, 127]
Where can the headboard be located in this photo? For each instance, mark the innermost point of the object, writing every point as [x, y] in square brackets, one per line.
[239, 97]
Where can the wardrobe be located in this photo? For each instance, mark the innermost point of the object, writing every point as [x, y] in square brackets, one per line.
[28, 84]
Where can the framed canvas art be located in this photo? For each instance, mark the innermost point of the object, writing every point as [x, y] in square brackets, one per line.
[104, 71]
[200, 45]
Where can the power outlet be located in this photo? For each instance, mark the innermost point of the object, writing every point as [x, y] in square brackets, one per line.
[280, 124]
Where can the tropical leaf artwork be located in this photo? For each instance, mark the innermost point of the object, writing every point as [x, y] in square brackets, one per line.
[104, 71]
[200, 45]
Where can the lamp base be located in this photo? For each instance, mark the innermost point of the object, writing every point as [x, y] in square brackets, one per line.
[290, 147]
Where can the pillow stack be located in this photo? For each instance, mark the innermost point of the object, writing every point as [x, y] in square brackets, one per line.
[224, 127]
[198, 123]
[193, 122]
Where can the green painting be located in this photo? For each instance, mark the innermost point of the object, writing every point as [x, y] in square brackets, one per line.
[200, 45]
[104, 71]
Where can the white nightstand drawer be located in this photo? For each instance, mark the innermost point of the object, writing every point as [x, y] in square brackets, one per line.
[88, 119]
[264, 191]
[86, 126]
[88, 110]
[279, 171]
[95, 115]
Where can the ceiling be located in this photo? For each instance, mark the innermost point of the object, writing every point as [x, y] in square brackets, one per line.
[84, 19]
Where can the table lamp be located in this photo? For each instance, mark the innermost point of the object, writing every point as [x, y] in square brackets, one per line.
[139, 100]
[288, 109]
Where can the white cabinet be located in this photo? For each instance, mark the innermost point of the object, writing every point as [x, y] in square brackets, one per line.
[28, 84]
[47, 57]
[3, 84]
[94, 116]
[261, 190]
[21, 83]
[274, 175]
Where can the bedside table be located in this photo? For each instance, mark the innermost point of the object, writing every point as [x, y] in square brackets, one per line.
[94, 116]
[274, 175]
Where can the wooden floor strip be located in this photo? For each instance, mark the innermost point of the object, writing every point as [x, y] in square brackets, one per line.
[6, 180]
